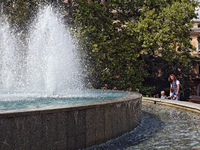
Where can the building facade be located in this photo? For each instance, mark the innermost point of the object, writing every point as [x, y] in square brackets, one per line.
[195, 32]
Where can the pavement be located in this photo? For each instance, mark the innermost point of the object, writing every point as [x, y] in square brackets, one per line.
[194, 107]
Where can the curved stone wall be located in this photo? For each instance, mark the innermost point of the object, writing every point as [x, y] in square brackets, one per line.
[71, 126]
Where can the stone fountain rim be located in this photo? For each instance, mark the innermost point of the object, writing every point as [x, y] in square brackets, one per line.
[188, 106]
[68, 107]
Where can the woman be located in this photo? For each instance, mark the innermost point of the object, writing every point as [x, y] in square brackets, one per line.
[175, 84]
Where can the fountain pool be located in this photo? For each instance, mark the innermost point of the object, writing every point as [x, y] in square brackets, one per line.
[43, 102]
[162, 127]
[21, 101]
[70, 126]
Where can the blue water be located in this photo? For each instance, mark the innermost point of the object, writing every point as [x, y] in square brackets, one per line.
[21, 101]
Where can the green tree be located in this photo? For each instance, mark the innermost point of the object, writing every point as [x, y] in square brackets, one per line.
[164, 32]
[110, 46]
[150, 36]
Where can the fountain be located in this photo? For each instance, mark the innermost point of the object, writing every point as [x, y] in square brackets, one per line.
[47, 63]
[9, 57]
[43, 102]
[52, 64]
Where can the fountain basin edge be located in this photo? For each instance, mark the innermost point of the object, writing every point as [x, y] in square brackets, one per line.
[72, 126]
[188, 106]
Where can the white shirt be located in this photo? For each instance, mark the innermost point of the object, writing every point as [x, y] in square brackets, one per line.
[177, 82]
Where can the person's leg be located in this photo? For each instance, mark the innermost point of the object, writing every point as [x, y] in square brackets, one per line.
[178, 97]
[173, 96]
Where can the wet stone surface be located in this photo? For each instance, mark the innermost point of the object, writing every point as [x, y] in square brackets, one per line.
[162, 127]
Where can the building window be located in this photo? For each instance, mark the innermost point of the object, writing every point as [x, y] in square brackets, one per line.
[198, 25]
[198, 47]
[198, 69]
[198, 90]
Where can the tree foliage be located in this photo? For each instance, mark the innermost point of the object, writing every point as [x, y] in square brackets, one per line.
[143, 41]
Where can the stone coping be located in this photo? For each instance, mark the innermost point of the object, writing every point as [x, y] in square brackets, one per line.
[178, 104]
[69, 107]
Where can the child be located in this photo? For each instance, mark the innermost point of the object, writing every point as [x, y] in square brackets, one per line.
[171, 96]
[163, 96]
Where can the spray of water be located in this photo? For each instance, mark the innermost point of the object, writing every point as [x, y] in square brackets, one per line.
[9, 57]
[42, 68]
[48, 63]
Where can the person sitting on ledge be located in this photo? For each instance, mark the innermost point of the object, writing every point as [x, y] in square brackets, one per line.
[163, 96]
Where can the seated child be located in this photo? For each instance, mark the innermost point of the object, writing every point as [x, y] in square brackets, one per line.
[163, 96]
[171, 96]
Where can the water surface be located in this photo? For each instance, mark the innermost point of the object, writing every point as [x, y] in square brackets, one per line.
[161, 128]
[12, 101]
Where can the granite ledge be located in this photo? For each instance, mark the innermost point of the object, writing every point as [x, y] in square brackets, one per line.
[181, 104]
